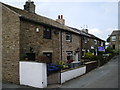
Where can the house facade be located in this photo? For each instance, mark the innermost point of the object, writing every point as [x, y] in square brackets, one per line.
[30, 34]
[89, 42]
[114, 40]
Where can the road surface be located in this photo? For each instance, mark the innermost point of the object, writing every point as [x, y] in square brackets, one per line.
[102, 77]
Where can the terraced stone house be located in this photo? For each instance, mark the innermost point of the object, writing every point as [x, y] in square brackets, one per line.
[24, 32]
[114, 40]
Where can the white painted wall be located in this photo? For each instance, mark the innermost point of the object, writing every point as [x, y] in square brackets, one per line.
[33, 74]
[65, 76]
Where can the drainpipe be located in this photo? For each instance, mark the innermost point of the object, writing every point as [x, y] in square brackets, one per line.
[61, 51]
[61, 44]
[81, 45]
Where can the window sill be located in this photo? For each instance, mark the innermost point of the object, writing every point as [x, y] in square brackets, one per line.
[68, 41]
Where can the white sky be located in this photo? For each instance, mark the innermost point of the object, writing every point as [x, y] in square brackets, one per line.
[101, 16]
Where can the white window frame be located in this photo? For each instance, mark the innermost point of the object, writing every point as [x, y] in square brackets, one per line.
[69, 53]
[113, 38]
[101, 43]
[95, 41]
[85, 39]
[70, 37]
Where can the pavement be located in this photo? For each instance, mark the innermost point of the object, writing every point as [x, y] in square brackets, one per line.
[102, 77]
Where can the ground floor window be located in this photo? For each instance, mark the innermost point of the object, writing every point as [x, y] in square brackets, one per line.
[48, 55]
[69, 55]
[83, 52]
[30, 56]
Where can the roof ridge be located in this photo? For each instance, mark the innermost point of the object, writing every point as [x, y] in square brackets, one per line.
[9, 6]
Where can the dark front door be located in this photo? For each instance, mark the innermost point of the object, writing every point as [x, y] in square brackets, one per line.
[113, 46]
[48, 55]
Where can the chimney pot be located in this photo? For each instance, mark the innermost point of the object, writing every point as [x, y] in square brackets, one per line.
[61, 16]
[58, 16]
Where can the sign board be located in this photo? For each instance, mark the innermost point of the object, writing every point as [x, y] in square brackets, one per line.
[101, 49]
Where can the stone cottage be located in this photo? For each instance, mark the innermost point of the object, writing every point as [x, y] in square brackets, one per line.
[29, 32]
[25, 33]
[114, 40]
[89, 42]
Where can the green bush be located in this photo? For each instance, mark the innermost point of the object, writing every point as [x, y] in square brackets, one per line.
[116, 52]
[109, 50]
[88, 55]
[62, 64]
[101, 52]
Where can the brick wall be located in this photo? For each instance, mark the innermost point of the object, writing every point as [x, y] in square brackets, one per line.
[10, 50]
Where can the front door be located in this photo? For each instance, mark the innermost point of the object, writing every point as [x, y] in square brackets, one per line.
[48, 55]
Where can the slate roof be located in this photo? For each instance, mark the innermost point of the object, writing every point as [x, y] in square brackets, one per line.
[115, 32]
[38, 18]
[46, 21]
[86, 34]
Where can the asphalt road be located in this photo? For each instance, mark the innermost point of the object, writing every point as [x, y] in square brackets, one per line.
[102, 77]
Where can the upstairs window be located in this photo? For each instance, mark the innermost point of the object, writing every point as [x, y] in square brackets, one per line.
[47, 33]
[85, 39]
[113, 38]
[69, 55]
[95, 41]
[68, 37]
[102, 43]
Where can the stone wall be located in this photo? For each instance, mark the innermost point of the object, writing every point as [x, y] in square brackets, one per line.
[116, 43]
[53, 78]
[74, 46]
[10, 50]
[0, 45]
[30, 38]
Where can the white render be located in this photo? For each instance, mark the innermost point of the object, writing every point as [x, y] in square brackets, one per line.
[67, 75]
[33, 74]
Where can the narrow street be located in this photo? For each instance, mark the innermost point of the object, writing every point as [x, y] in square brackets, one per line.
[103, 77]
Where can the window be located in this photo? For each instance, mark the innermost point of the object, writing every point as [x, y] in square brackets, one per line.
[113, 38]
[69, 55]
[95, 41]
[83, 52]
[48, 55]
[85, 39]
[68, 37]
[102, 43]
[47, 33]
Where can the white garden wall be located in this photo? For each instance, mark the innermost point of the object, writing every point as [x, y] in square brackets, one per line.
[33, 74]
[67, 75]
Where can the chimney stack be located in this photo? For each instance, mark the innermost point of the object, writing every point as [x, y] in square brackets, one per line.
[60, 20]
[29, 6]
[85, 29]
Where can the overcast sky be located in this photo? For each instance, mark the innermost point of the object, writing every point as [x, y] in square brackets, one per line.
[101, 17]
